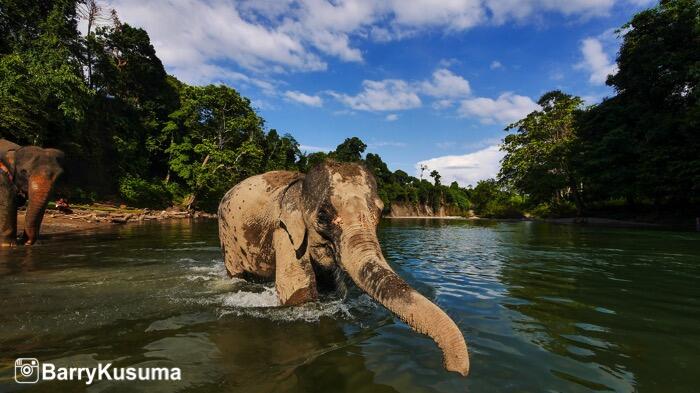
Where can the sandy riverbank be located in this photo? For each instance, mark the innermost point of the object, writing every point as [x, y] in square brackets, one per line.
[428, 217]
[103, 216]
[88, 218]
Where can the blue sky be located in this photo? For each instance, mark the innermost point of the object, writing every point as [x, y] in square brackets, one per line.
[420, 81]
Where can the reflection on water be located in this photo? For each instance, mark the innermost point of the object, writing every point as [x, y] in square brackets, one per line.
[543, 308]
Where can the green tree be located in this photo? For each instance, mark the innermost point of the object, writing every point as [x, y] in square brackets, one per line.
[383, 176]
[350, 150]
[539, 155]
[436, 177]
[280, 152]
[657, 85]
[490, 199]
[42, 94]
[401, 177]
[216, 141]
[608, 142]
[379, 168]
[308, 161]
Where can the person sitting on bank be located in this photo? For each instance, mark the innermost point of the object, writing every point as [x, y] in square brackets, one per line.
[63, 206]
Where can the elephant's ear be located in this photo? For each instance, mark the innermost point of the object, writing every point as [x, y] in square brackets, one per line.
[55, 153]
[292, 221]
[9, 158]
[291, 216]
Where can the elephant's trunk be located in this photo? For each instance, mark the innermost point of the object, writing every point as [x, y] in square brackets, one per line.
[39, 192]
[362, 258]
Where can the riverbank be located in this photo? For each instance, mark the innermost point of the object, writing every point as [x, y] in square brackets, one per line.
[601, 222]
[427, 217]
[96, 216]
[90, 217]
[686, 225]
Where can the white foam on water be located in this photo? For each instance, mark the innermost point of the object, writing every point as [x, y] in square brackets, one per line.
[234, 296]
[214, 271]
[197, 277]
[309, 312]
[243, 299]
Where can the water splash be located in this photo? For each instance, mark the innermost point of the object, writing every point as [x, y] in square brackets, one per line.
[238, 297]
[243, 299]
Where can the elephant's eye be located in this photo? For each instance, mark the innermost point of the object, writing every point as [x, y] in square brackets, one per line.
[324, 215]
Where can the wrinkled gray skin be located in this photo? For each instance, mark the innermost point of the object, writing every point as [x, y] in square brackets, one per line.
[34, 171]
[299, 229]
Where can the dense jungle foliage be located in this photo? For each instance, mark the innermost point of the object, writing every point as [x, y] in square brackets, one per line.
[636, 151]
[133, 133]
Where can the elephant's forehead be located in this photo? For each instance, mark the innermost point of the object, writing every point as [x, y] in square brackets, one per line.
[345, 187]
[353, 199]
[358, 179]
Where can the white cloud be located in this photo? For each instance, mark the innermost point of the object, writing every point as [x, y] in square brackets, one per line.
[442, 104]
[466, 169]
[452, 14]
[596, 61]
[445, 84]
[505, 109]
[344, 112]
[556, 75]
[391, 117]
[266, 36]
[642, 3]
[521, 10]
[210, 33]
[305, 99]
[446, 63]
[385, 95]
[397, 94]
[592, 99]
[309, 148]
[375, 145]
[496, 65]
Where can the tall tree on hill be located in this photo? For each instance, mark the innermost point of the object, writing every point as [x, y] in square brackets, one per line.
[539, 155]
[658, 89]
[216, 140]
[281, 152]
[350, 150]
[42, 94]
[436, 177]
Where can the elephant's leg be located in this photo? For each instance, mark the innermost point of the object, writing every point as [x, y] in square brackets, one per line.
[232, 259]
[8, 213]
[230, 247]
[294, 277]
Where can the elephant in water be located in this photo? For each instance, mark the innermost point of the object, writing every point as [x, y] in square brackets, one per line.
[299, 229]
[25, 172]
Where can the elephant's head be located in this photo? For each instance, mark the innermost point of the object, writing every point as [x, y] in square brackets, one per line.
[35, 172]
[340, 208]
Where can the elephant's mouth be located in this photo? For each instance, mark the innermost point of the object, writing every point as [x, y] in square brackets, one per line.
[331, 280]
[340, 280]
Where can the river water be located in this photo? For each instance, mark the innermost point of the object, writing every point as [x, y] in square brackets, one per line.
[543, 307]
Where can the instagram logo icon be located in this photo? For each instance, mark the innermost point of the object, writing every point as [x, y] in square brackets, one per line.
[26, 370]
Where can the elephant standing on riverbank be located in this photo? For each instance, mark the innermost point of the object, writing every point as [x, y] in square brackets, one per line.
[299, 229]
[26, 172]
